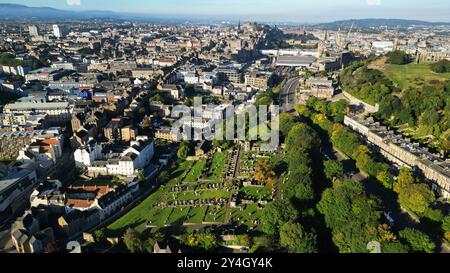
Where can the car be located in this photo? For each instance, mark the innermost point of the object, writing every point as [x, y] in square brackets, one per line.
[388, 217]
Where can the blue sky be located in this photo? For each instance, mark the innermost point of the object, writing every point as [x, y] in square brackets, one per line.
[276, 10]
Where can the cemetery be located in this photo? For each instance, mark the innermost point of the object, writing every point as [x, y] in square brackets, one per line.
[213, 191]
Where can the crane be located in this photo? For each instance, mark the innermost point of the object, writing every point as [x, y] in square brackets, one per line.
[350, 31]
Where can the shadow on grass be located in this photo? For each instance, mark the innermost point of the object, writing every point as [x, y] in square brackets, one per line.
[121, 231]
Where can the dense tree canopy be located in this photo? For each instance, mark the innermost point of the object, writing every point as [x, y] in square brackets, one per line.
[183, 150]
[351, 216]
[264, 99]
[426, 108]
[369, 85]
[287, 121]
[398, 57]
[441, 66]
[414, 197]
[132, 240]
[276, 214]
[394, 247]
[417, 240]
[333, 169]
[264, 173]
[302, 138]
[296, 239]
[204, 241]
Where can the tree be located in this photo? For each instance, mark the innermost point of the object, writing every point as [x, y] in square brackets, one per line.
[404, 179]
[296, 240]
[351, 215]
[339, 109]
[446, 223]
[244, 240]
[141, 176]
[132, 240]
[153, 238]
[417, 198]
[264, 100]
[276, 89]
[300, 187]
[146, 123]
[157, 98]
[264, 244]
[302, 138]
[286, 123]
[311, 102]
[442, 66]
[394, 247]
[100, 235]
[386, 179]
[417, 240]
[302, 110]
[204, 241]
[264, 173]
[308, 74]
[446, 228]
[333, 169]
[322, 107]
[398, 57]
[276, 214]
[183, 150]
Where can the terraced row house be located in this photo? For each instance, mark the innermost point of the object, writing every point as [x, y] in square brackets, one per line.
[404, 152]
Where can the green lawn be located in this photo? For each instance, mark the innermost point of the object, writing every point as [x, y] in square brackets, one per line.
[214, 214]
[217, 165]
[248, 215]
[160, 217]
[204, 194]
[413, 75]
[177, 216]
[196, 215]
[196, 172]
[147, 210]
[256, 193]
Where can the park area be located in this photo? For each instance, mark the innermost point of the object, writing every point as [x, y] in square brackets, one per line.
[409, 75]
[197, 194]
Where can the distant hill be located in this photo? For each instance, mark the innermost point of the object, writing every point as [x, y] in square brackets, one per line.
[366, 23]
[22, 12]
[14, 12]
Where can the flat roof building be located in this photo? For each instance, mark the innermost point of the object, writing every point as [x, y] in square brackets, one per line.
[295, 61]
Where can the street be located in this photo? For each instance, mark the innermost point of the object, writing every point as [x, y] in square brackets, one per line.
[288, 94]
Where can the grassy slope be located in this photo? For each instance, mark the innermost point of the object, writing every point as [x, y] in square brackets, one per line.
[412, 75]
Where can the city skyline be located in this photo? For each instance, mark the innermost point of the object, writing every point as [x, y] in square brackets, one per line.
[280, 11]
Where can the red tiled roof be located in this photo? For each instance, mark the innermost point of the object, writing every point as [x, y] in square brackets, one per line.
[79, 203]
[50, 141]
[45, 149]
[101, 189]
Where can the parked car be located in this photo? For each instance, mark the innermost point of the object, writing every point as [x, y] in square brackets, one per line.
[388, 217]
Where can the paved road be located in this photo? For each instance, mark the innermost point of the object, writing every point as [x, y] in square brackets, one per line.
[288, 94]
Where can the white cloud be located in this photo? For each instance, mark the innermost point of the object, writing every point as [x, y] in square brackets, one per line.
[74, 2]
[374, 2]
